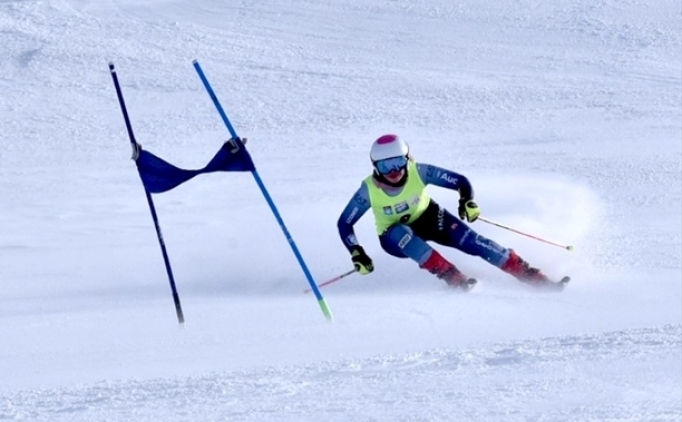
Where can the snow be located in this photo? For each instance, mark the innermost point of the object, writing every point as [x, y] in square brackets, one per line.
[565, 115]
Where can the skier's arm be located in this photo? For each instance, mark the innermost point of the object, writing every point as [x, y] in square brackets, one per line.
[468, 209]
[356, 208]
[434, 175]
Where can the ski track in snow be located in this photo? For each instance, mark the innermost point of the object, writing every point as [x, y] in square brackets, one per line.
[621, 377]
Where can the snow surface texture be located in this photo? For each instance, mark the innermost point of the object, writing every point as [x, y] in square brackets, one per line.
[565, 115]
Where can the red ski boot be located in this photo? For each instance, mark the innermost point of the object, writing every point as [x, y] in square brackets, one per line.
[444, 270]
[520, 269]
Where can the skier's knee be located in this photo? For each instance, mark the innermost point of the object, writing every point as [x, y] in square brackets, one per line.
[399, 235]
[392, 239]
[401, 240]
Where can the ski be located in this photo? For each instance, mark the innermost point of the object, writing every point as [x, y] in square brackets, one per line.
[465, 286]
[558, 285]
[548, 285]
[469, 284]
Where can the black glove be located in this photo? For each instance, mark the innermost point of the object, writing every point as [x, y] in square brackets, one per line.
[468, 210]
[362, 263]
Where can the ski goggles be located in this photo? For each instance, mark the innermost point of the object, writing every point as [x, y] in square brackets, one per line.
[389, 165]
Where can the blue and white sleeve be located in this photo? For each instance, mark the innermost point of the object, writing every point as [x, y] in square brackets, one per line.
[448, 179]
[355, 209]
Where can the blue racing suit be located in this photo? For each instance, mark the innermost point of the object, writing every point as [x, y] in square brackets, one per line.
[435, 224]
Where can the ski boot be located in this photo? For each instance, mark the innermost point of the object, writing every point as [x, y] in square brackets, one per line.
[446, 271]
[517, 267]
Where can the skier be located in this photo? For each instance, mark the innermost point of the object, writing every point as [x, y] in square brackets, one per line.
[406, 218]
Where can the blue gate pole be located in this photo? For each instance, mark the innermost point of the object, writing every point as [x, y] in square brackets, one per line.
[152, 209]
[268, 199]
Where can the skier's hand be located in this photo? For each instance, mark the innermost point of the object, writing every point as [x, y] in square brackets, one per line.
[362, 263]
[468, 210]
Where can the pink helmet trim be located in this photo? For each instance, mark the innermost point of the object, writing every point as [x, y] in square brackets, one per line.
[387, 139]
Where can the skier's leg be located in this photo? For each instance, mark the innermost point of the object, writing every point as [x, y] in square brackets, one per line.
[457, 234]
[400, 240]
[448, 230]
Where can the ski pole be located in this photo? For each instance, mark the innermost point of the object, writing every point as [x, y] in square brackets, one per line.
[567, 247]
[333, 280]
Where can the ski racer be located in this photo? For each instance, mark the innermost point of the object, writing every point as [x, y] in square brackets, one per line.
[406, 218]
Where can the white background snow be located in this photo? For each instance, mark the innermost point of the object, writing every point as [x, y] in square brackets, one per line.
[565, 115]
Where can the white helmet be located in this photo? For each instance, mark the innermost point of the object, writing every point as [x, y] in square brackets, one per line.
[388, 146]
